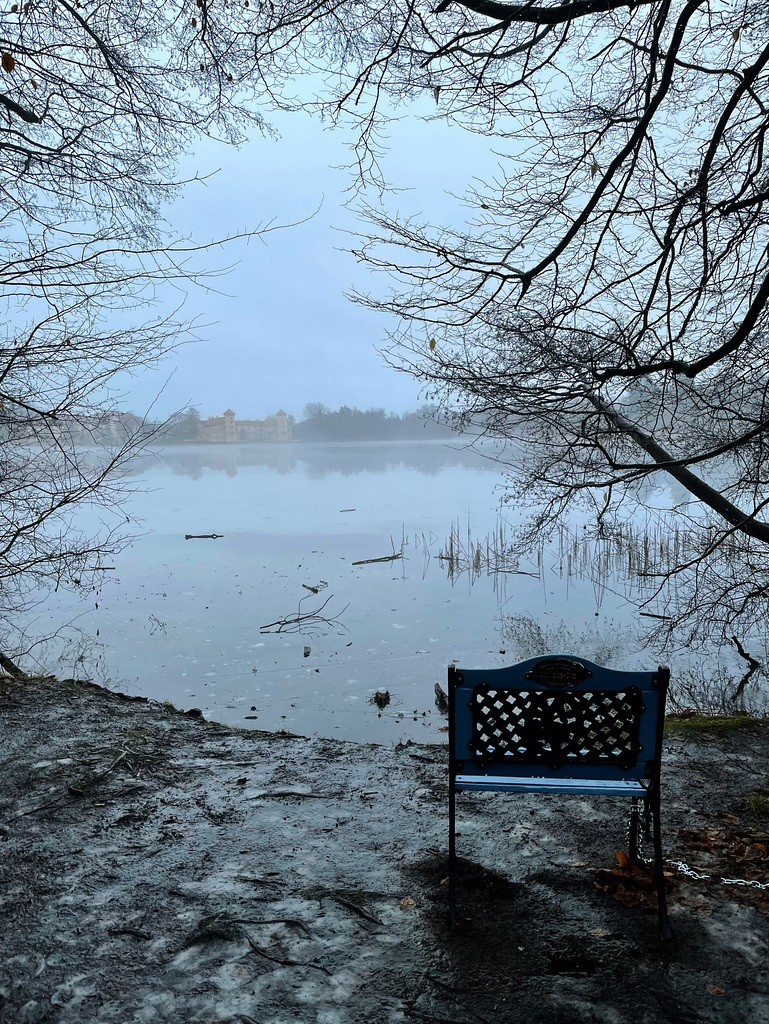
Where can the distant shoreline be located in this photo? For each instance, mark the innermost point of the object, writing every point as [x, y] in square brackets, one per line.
[464, 440]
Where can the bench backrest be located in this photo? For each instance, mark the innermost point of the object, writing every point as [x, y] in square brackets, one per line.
[558, 716]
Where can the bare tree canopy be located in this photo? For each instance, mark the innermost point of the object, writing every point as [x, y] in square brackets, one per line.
[96, 103]
[607, 303]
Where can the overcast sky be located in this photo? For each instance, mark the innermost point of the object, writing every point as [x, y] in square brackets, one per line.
[280, 332]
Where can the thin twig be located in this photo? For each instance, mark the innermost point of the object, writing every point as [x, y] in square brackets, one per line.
[291, 792]
[274, 920]
[295, 622]
[284, 963]
[358, 910]
[126, 930]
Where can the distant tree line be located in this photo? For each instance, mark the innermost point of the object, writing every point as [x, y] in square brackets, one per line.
[344, 424]
[183, 425]
[350, 424]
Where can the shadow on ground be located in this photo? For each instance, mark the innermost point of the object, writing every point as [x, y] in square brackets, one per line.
[159, 868]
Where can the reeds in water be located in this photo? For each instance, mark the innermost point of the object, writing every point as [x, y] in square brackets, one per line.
[638, 556]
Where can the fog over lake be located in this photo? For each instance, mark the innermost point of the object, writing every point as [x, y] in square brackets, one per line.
[182, 620]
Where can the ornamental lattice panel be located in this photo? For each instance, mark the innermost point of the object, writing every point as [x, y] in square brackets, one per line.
[583, 727]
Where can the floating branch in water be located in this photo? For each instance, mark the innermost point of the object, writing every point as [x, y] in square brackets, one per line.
[203, 536]
[305, 622]
[317, 587]
[384, 558]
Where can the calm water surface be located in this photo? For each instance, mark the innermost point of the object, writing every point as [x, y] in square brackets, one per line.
[183, 619]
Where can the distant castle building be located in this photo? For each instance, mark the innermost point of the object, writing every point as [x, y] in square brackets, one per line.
[227, 430]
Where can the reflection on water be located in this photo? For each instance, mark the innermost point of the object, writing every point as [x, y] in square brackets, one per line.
[183, 620]
[318, 460]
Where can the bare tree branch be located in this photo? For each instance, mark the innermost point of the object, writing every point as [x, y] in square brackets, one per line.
[605, 306]
[96, 107]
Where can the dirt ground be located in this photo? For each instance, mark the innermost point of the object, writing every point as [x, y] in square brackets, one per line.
[157, 868]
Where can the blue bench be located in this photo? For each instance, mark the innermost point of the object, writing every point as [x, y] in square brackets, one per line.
[560, 724]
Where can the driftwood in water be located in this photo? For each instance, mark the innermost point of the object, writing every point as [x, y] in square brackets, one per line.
[203, 536]
[304, 621]
[385, 558]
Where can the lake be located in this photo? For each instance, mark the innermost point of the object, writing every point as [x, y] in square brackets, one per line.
[184, 620]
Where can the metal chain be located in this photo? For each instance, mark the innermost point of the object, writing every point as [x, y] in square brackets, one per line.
[643, 833]
[691, 873]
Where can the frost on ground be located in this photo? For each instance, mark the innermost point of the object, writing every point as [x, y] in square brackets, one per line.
[159, 868]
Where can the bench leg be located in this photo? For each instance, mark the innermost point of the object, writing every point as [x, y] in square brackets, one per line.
[662, 904]
[452, 858]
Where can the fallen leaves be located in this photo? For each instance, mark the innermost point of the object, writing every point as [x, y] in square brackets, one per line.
[627, 883]
[722, 852]
[729, 852]
[624, 861]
